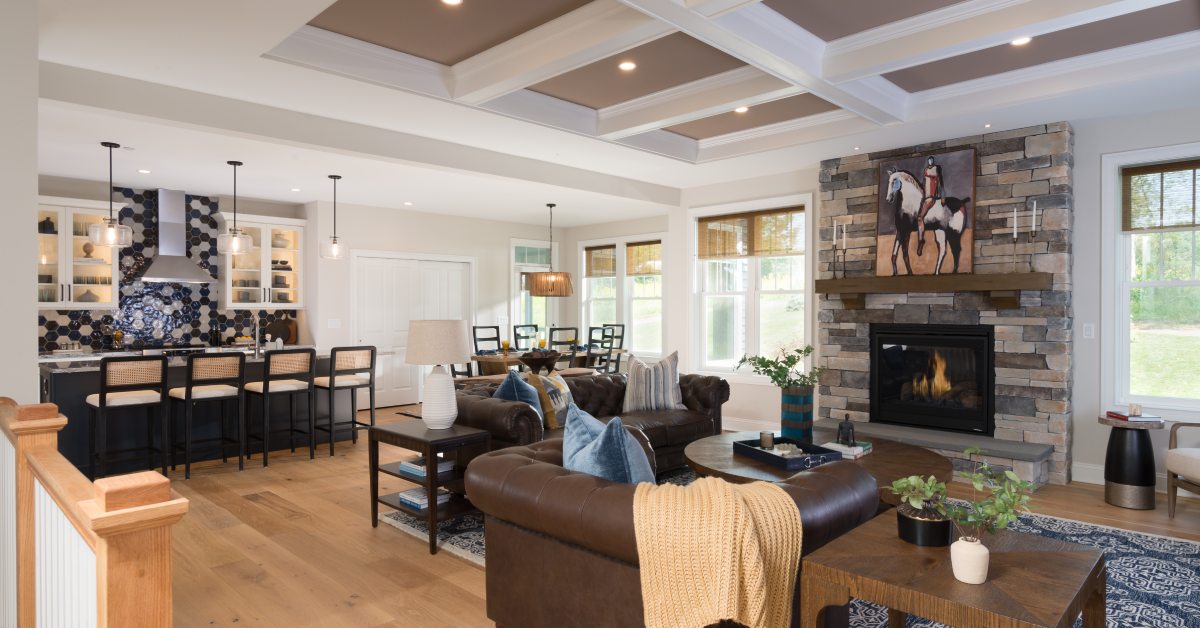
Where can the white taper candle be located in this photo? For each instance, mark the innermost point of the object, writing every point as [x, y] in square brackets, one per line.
[1014, 223]
[1034, 223]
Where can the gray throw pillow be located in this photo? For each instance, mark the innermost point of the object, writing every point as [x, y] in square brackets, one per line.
[654, 386]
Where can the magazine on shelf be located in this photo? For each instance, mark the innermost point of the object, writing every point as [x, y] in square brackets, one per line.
[416, 466]
[417, 497]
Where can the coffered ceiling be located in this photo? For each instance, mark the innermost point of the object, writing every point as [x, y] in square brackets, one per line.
[805, 69]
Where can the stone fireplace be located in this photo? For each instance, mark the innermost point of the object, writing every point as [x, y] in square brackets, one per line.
[1020, 290]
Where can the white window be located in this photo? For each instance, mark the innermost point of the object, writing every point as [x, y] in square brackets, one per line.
[751, 284]
[1158, 286]
[529, 257]
[623, 283]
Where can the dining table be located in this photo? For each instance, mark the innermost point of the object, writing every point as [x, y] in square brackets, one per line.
[499, 362]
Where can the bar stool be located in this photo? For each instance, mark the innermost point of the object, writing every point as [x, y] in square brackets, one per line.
[216, 378]
[285, 372]
[126, 383]
[350, 368]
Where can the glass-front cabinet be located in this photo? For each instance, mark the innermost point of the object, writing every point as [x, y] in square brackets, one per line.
[268, 275]
[72, 272]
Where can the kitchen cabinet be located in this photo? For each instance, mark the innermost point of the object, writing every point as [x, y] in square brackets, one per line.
[268, 275]
[74, 274]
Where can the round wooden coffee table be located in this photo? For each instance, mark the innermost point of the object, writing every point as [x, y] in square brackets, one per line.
[889, 461]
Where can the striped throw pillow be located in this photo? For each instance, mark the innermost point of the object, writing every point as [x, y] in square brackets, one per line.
[654, 386]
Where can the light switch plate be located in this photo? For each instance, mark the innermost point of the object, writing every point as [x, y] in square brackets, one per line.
[1089, 331]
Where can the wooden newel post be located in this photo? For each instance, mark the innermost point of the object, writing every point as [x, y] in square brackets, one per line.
[28, 427]
[132, 517]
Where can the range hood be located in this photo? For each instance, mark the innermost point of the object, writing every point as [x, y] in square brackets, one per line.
[171, 264]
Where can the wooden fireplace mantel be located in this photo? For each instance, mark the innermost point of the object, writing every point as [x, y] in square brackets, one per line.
[1003, 290]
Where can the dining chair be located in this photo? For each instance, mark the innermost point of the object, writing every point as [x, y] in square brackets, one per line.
[563, 340]
[486, 334]
[600, 349]
[128, 383]
[524, 337]
[618, 344]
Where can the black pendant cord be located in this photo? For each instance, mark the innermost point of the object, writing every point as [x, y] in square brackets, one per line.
[551, 206]
[335, 178]
[235, 165]
[110, 146]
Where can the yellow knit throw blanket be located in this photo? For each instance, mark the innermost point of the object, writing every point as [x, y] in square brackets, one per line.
[713, 550]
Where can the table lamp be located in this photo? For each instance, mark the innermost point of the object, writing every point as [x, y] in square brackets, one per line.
[438, 343]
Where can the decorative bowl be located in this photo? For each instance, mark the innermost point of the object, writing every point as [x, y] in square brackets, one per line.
[538, 360]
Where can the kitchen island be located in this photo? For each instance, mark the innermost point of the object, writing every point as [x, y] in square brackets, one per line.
[67, 383]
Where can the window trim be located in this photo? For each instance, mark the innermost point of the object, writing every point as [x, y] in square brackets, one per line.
[1115, 284]
[695, 352]
[624, 296]
[554, 310]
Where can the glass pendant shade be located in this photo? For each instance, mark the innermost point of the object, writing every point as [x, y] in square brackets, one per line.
[110, 232]
[332, 248]
[234, 242]
[551, 284]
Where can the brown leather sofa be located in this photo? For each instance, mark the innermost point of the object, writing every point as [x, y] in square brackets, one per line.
[561, 549]
[668, 431]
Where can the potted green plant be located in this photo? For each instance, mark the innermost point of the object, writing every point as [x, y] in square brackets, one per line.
[1007, 496]
[919, 517]
[786, 371]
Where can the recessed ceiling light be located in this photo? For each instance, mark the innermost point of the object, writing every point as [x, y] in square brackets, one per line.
[855, 148]
[742, 109]
[1021, 41]
[295, 189]
[627, 66]
[408, 203]
[452, 3]
[987, 126]
[143, 171]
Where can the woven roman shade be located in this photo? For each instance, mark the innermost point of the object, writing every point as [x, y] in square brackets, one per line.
[600, 261]
[643, 258]
[1160, 197]
[752, 234]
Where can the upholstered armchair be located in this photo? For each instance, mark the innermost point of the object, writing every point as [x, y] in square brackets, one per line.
[1183, 467]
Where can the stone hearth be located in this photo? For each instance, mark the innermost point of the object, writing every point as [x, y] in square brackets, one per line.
[1032, 342]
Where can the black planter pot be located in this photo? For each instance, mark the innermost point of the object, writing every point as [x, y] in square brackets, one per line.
[920, 528]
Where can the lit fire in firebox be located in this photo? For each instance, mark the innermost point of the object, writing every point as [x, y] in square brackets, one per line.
[932, 388]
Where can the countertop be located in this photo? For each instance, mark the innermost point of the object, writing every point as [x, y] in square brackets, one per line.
[83, 363]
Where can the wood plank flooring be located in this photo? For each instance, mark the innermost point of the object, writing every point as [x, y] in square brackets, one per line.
[291, 545]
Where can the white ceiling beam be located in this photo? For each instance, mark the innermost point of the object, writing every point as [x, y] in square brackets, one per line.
[592, 32]
[814, 128]
[713, 8]
[959, 29]
[763, 38]
[745, 86]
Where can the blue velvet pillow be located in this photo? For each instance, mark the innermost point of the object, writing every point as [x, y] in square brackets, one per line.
[605, 451]
[514, 388]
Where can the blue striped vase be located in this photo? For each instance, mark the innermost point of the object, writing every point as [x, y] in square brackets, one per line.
[797, 413]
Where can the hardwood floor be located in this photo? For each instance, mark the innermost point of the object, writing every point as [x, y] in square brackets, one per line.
[292, 545]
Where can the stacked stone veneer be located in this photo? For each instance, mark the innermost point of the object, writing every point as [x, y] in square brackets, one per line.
[1033, 342]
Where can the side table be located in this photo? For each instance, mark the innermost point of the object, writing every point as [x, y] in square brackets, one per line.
[464, 443]
[1129, 464]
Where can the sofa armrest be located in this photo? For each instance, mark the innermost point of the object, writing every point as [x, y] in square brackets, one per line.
[705, 393]
[528, 487]
[507, 421]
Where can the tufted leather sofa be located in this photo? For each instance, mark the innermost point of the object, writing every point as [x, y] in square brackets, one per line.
[561, 549]
[667, 431]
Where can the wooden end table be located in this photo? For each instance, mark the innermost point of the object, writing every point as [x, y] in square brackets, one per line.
[1032, 580]
[464, 443]
[1129, 464]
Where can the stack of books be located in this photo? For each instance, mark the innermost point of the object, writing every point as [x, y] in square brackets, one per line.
[416, 466]
[1120, 416]
[418, 497]
[860, 449]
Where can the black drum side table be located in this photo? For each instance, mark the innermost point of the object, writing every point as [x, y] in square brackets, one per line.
[1129, 464]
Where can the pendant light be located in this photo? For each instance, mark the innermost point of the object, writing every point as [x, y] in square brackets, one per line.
[551, 283]
[331, 248]
[110, 232]
[235, 241]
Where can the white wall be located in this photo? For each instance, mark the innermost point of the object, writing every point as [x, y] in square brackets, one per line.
[18, 179]
[1093, 139]
[380, 229]
[94, 190]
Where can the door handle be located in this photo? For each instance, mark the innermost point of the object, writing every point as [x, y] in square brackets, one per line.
[62, 292]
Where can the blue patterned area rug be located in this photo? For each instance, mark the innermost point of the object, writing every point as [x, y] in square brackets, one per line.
[1153, 581]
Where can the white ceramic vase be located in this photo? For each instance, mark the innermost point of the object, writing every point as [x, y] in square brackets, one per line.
[439, 408]
[969, 558]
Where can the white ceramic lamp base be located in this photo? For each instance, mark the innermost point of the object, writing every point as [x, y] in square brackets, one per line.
[440, 408]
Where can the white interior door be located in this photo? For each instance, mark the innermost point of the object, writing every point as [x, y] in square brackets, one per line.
[385, 289]
[391, 292]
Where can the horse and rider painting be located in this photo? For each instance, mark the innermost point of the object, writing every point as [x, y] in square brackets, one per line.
[926, 217]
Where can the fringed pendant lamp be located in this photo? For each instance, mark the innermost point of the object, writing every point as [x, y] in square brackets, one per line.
[551, 283]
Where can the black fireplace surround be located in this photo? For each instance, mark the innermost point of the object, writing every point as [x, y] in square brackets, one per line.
[934, 376]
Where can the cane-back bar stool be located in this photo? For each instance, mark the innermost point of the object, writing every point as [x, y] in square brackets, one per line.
[127, 383]
[350, 368]
[218, 379]
[287, 372]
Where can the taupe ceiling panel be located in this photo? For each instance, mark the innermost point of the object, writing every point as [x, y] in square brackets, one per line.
[833, 19]
[1132, 28]
[790, 108]
[661, 64]
[432, 30]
